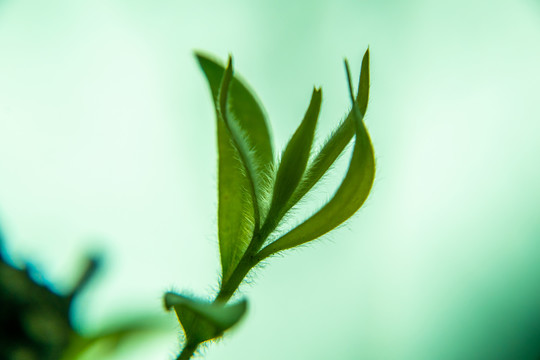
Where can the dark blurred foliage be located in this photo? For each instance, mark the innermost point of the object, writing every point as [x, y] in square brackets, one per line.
[35, 321]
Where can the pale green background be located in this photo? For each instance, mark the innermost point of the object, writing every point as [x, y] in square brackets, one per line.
[107, 142]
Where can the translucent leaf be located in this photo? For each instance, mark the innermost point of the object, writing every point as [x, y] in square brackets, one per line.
[241, 143]
[235, 207]
[337, 142]
[349, 197]
[294, 160]
[114, 335]
[204, 321]
[246, 109]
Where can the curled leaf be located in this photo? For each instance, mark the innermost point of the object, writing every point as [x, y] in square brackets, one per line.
[244, 105]
[241, 143]
[339, 139]
[349, 197]
[203, 321]
[236, 216]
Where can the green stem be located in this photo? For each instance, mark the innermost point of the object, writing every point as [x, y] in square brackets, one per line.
[233, 283]
[187, 352]
[246, 263]
[229, 287]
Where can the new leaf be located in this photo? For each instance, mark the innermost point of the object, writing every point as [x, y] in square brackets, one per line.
[236, 215]
[337, 142]
[294, 161]
[350, 195]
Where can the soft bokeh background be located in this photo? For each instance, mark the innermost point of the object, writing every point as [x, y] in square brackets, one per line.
[107, 143]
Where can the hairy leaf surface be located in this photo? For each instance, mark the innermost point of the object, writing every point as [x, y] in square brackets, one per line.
[348, 198]
[337, 142]
[294, 160]
[241, 143]
[235, 206]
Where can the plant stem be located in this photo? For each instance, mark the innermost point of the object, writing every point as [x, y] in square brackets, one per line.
[187, 352]
[229, 287]
[246, 263]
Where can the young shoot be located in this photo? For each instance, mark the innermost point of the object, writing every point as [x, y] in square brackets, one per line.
[253, 201]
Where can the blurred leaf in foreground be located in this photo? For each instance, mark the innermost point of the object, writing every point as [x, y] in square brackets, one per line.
[35, 322]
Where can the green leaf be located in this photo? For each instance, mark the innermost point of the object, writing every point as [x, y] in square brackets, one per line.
[348, 198]
[114, 335]
[241, 143]
[235, 206]
[337, 142]
[245, 107]
[294, 160]
[203, 321]
[363, 85]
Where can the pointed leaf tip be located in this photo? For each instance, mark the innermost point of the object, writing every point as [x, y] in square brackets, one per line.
[336, 143]
[349, 80]
[294, 161]
[363, 85]
[350, 195]
[242, 144]
[235, 208]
